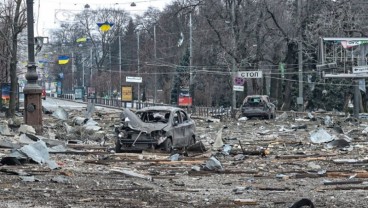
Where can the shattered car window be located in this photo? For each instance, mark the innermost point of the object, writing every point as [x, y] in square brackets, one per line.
[183, 116]
[154, 116]
[177, 119]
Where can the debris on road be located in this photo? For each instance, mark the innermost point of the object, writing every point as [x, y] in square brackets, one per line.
[131, 173]
[320, 136]
[213, 164]
[265, 163]
[60, 113]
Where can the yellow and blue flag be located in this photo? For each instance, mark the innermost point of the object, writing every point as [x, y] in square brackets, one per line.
[63, 59]
[105, 26]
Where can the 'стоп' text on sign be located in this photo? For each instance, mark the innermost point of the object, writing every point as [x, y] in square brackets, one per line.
[249, 74]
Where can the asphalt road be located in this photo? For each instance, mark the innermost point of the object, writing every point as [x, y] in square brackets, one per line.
[53, 103]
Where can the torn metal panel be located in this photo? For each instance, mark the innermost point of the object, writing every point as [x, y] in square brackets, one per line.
[38, 152]
[136, 123]
[60, 113]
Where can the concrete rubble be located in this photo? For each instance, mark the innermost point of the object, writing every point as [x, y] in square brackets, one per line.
[240, 162]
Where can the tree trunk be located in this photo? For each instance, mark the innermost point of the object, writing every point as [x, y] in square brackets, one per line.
[17, 28]
[287, 96]
[275, 91]
[13, 79]
[289, 59]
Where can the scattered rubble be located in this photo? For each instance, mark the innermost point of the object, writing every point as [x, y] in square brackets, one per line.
[320, 136]
[60, 113]
[260, 163]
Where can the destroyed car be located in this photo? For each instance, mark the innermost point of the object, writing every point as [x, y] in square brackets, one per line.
[258, 106]
[162, 127]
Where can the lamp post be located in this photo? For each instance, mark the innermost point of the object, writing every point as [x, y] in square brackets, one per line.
[32, 91]
[155, 56]
[119, 63]
[138, 67]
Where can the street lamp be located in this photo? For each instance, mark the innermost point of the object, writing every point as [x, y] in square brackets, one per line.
[32, 91]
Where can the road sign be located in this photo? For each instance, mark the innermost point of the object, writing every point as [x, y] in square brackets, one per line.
[238, 88]
[360, 69]
[249, 74]
[134, 79]
[239, 81]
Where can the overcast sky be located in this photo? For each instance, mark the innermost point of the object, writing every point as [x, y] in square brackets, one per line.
[49, 13]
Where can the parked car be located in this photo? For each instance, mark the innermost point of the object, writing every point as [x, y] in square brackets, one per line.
[162, 127]
[258, 106]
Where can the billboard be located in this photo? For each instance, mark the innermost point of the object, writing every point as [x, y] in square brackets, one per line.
[184, 97]
[78, 93]
[126, 93]
[5, 94]
[91, 93]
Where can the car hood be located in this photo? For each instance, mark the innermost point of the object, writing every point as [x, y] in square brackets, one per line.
[136, 123]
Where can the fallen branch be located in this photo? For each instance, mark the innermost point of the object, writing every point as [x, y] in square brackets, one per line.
[303, 156]
[274, 189]
[350, 161]
[345, 175]
[346, 188]
[245, 202]
[132, 174]
[341, 182]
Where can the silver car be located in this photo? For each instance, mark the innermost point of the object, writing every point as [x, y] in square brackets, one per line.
[162, 127]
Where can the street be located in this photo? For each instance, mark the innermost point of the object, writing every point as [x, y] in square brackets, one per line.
[259, 163]
[53, 103]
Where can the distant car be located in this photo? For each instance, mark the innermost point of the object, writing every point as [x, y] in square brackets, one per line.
[160, 127]
[258, 106]
[43, 95]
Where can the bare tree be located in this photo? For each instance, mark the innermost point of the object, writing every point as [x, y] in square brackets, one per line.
[15, 15]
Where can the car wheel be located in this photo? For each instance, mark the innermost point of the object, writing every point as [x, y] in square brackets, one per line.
[269, 116]
[117, 146]
[192, 141]
[167, 145]
[273, 115]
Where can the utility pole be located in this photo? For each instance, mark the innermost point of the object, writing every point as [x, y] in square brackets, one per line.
[300, 57]
[73, 71]
[154, 42]
[138, 67]
[110, 90]
[120, 62]
[233, 74]
[190, 55]
[32, 91]
[84, 87]
[90, 78]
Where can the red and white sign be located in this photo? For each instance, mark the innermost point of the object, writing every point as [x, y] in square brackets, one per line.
[185, 101]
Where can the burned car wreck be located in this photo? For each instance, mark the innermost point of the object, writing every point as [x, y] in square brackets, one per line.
[258, 106]
[160, 127]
